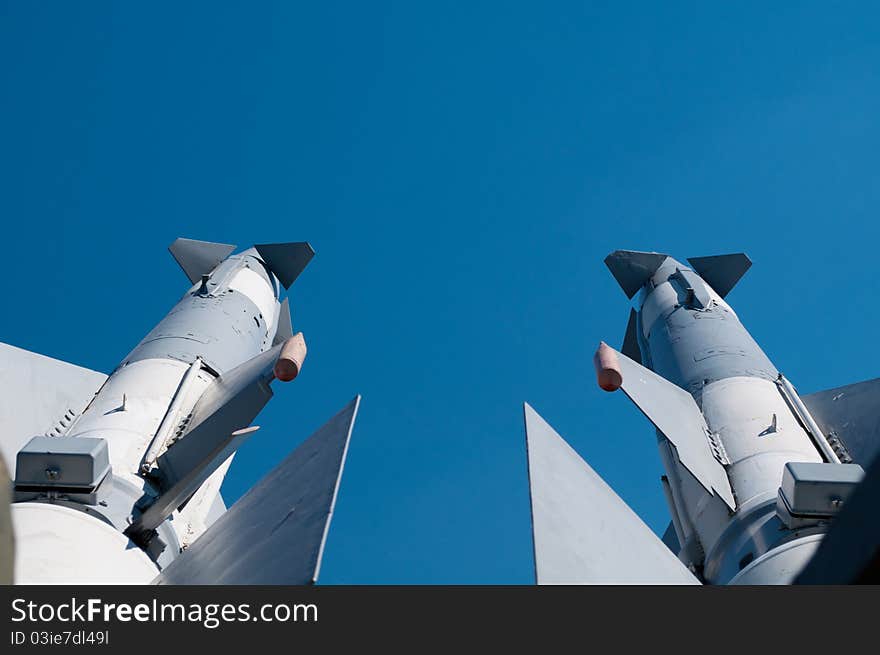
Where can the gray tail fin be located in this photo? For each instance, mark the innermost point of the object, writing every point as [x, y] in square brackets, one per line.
[632, 269]
[285, 324]
[721, 272]
[198, 258]
[630, 346]
[286, 260]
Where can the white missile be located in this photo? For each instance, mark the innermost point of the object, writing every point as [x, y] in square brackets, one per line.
[755, 474]
[116, 476]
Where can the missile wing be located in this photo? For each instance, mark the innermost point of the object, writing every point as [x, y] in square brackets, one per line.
[275, 533]
[674, 413]
[583, 532]
[38, 394]
[849, 415]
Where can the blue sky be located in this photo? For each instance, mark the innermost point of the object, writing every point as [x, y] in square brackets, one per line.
[461, 171]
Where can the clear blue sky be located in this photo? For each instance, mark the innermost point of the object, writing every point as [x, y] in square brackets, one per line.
[461, 171]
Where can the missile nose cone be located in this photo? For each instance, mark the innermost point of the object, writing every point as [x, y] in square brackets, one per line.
[607, 365]
[290, 361]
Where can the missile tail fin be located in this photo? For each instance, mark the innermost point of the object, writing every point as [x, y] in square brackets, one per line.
[721, 272]
[285, 324]
[286, 260]
[632, 269]
[630, 346]
[275, 534]
[583, 532]
[198, 258]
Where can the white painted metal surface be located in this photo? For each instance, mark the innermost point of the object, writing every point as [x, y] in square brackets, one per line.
[673, 411]
[781, 565]
[803, 413]
[261, 293]
[583, 532]
[205, 507]
[849, 414]
[59, 545]
[148, 386]
[35, 393]
[656, 305]
[172, 416]
[759, 434]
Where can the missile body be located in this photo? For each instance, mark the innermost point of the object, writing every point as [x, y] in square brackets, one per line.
[220, 323]
[754, 424]
[208, 362]
[755, 475]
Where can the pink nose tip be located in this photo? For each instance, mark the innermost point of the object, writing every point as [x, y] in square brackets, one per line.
[607, 365]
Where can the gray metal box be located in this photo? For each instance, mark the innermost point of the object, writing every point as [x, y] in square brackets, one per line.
[70, 463]
[818, 489]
